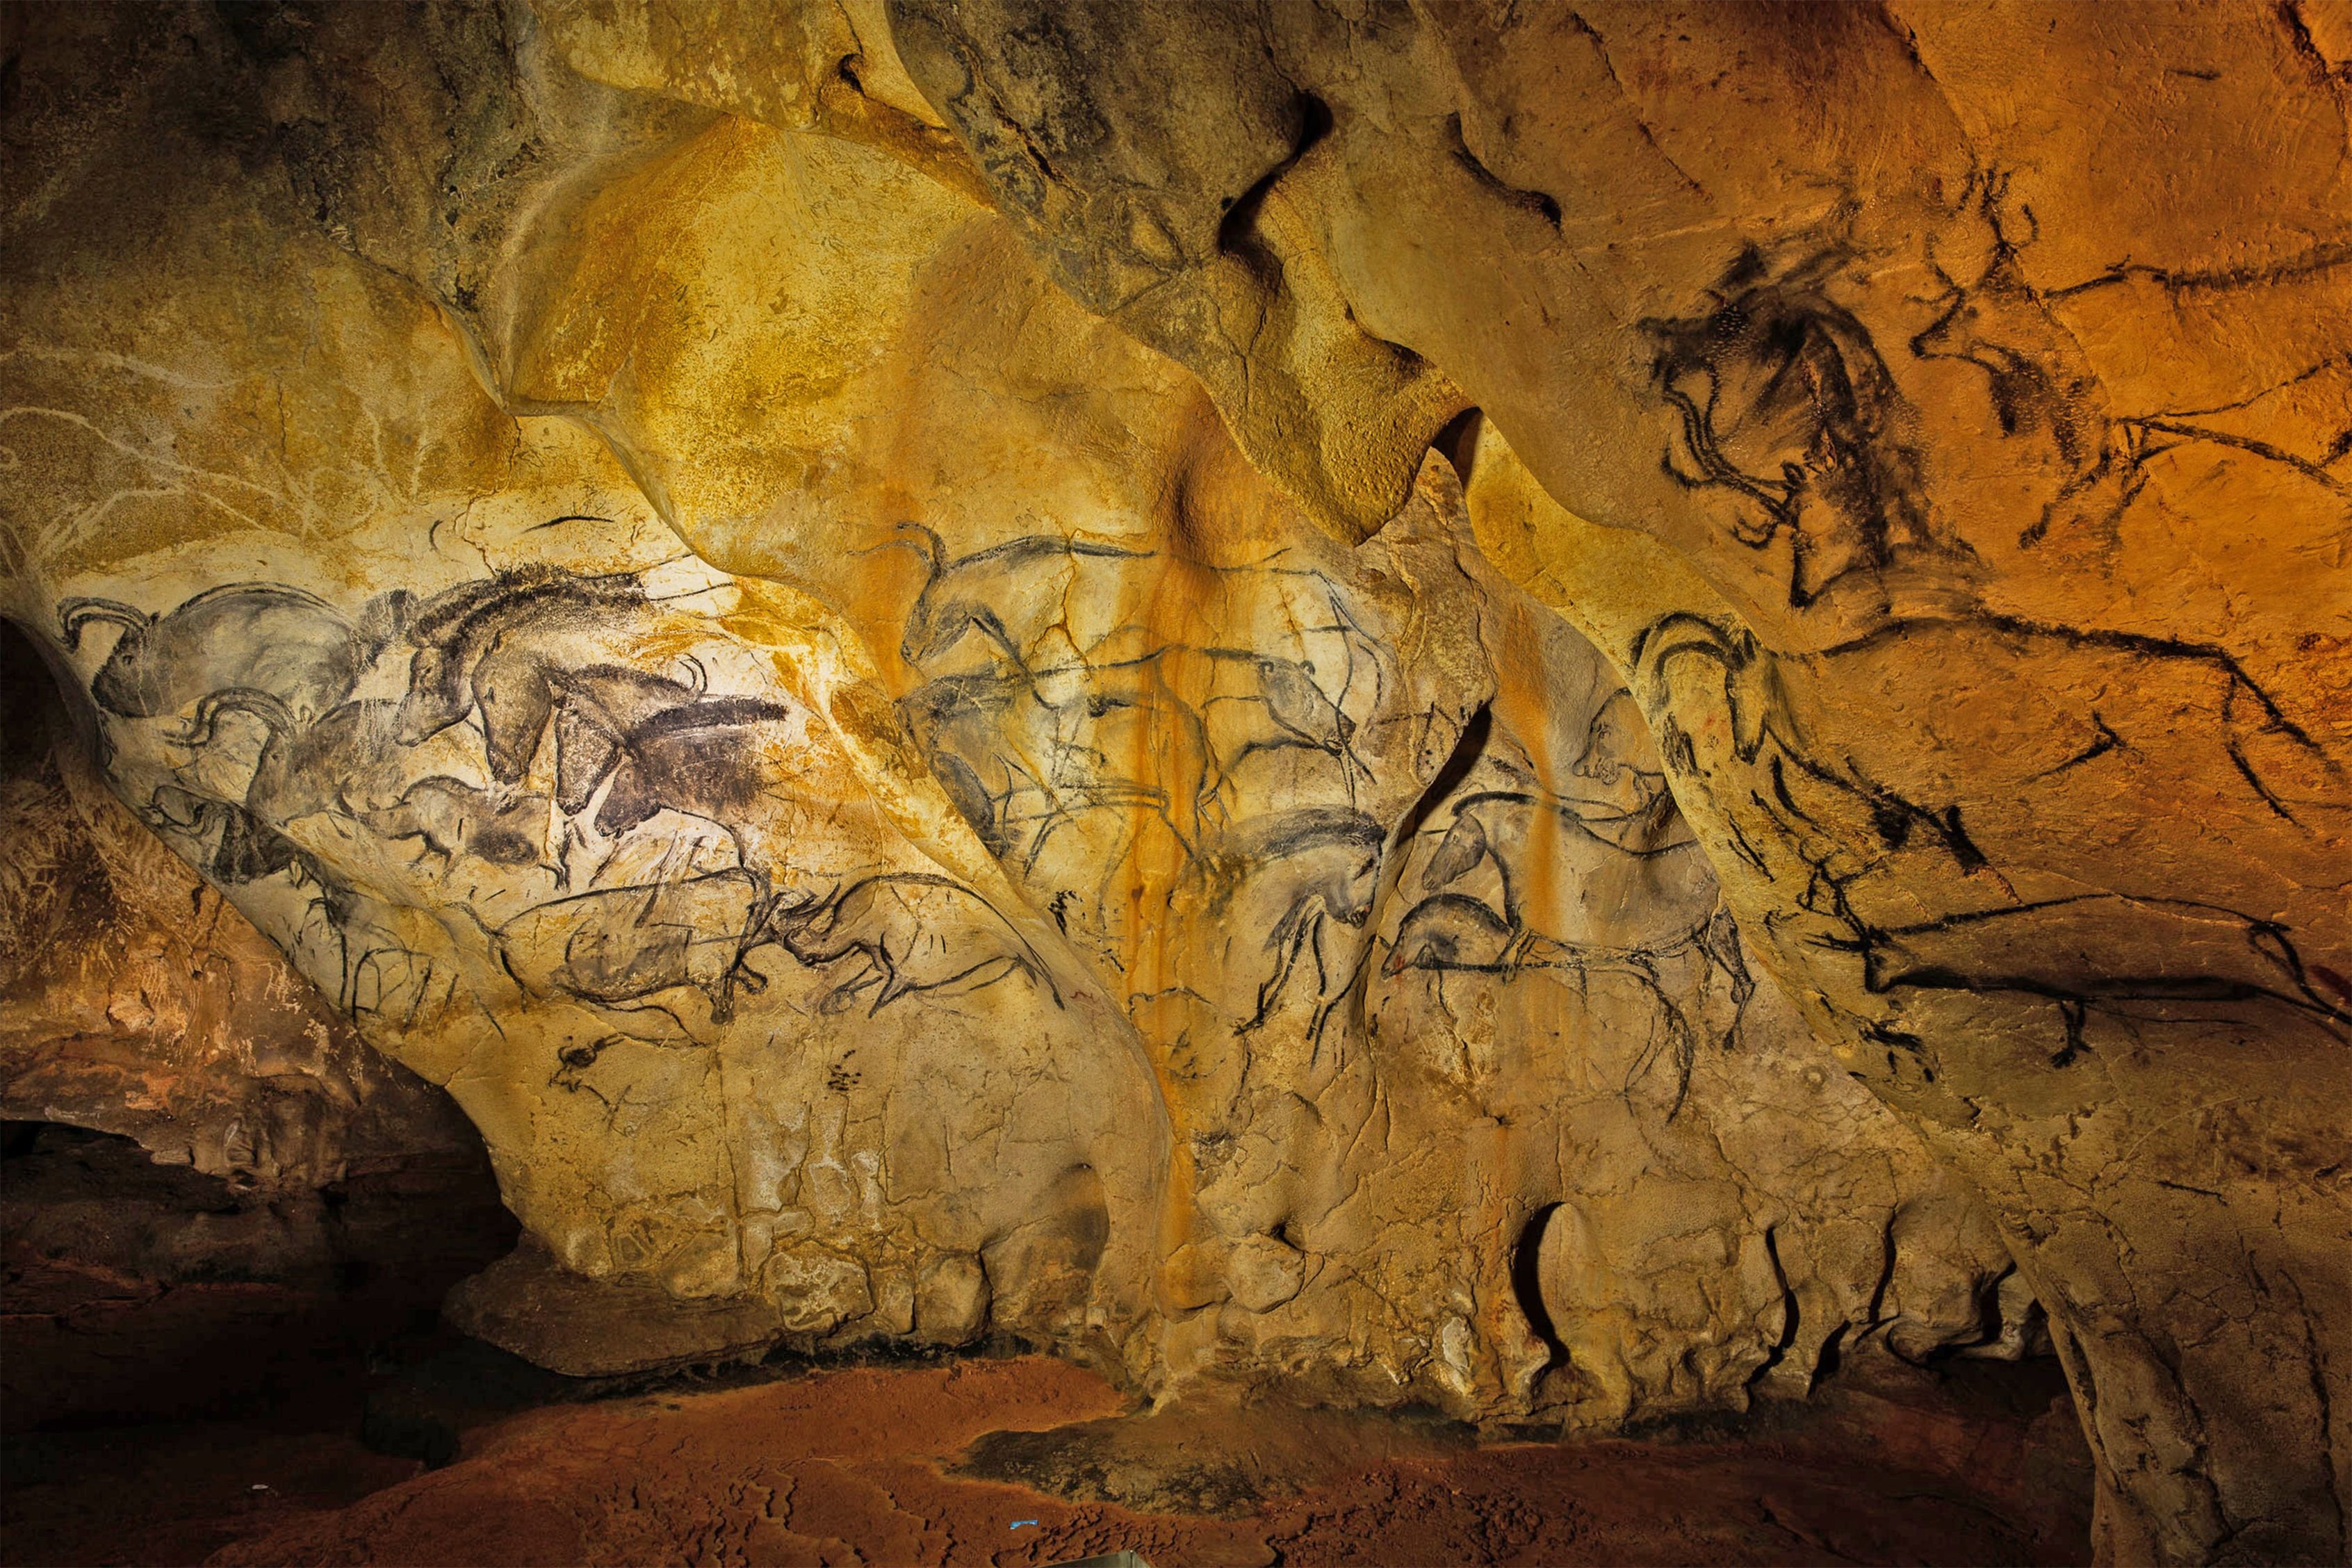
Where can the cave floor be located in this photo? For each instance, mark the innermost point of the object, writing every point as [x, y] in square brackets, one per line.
[187, 1376]
[1029, 1461]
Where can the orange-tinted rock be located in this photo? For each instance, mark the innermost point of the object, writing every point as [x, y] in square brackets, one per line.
[886, 725]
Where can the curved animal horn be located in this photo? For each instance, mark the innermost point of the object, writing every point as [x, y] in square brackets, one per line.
[263, 705]
[930, 545]
[73, 614]
[795, 920]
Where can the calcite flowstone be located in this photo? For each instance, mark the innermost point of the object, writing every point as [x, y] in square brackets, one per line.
[1940, 416]
[1566, 711]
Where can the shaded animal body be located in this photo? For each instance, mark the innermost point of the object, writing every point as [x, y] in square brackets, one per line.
[241, 848]
[1677, 1035]
[1651, 916]
[2078, 951]
[2070, 950]
[303, 769]
[1279, 883]
[1280, 709]
[703, 759]
[960, 722]
[1452, 930]
[1785, 402]
[971, 727]
[916, 933]
[247, 849]
[1804, 797]
[1719, 941]
[1617, 745]
[1298, 707]
[1236, 859]
[252, 636]
[662, 744]
[1024, 754]
[593, 709]
[621, 945]
[1113, 737]
[1017, 593]
[1039, 738]
[504, 649]
[450, 817]
[490, 647]
[1620, 757]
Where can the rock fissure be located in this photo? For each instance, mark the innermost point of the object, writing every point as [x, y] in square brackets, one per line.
[997, 755]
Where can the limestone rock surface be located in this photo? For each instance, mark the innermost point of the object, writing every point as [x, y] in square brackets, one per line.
[1940, 416]
[1565, 711]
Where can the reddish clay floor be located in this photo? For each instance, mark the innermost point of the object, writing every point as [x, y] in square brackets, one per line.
[311, 1412]
[1029, 1461]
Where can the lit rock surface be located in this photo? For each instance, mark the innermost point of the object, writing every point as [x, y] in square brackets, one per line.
[885, 643]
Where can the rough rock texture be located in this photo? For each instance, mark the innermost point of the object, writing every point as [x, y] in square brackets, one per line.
[189, 1356]
[851, 628]
[136, 1000]
[1961, 395]
[137, 1292]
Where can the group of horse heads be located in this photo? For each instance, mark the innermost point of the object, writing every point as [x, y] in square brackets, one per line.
[524, 658]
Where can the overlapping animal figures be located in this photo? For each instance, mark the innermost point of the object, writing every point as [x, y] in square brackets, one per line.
[1125, 728]
[576, 899]
[1274, 991]
[2185, 951]
[559, 839]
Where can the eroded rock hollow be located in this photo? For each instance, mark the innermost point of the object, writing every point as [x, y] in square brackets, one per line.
[1567, 712]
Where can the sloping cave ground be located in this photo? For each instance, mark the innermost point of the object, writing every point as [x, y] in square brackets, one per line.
[195, 1372]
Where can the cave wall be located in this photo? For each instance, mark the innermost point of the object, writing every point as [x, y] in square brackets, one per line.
[136, 1000]
[1561, 710]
